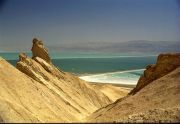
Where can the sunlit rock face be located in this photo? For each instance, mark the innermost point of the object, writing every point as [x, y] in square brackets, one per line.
[38, 50]
[164, 65]
[37, 91]
[76, 97]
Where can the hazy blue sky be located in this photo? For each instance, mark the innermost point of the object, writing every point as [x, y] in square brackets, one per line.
[75, 21]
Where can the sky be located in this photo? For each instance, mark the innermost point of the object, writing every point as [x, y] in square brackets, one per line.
[72, 22]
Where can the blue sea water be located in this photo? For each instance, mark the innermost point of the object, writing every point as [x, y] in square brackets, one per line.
[103, 68]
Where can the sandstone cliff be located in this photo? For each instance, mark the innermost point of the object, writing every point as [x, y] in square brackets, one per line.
[44, 93]
[158, 101]
[165, 64]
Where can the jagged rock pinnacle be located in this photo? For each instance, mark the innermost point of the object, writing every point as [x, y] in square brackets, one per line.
[38, 50]
[22, 56]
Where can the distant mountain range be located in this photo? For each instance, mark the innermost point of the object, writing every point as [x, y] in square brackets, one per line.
[137, 46]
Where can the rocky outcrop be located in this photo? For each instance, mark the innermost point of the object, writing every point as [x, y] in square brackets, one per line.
[38, 50]
[76, 95]
[37, 91]
[165, 64]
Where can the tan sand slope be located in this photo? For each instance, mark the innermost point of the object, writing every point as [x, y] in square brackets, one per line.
[22, 99]
[113, 91]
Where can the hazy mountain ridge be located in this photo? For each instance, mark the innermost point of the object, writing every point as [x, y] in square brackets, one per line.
[137, 46]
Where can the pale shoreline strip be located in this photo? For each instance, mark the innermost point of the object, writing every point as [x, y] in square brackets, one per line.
[127, 71]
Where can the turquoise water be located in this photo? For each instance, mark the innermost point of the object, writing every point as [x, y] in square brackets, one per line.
[98, 68]
[102, 65]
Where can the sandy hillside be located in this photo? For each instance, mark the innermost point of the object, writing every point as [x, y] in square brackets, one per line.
[37, 91]
[113, 91]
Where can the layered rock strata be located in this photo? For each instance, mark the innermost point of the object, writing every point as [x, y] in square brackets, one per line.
[37, 91]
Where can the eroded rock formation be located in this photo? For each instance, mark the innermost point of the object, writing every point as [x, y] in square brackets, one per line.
[165, 64]
[38, 50]
[37, 91]
[77, 96]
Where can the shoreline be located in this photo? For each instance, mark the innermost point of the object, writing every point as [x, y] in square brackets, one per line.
[126, 86]
[99, 74]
